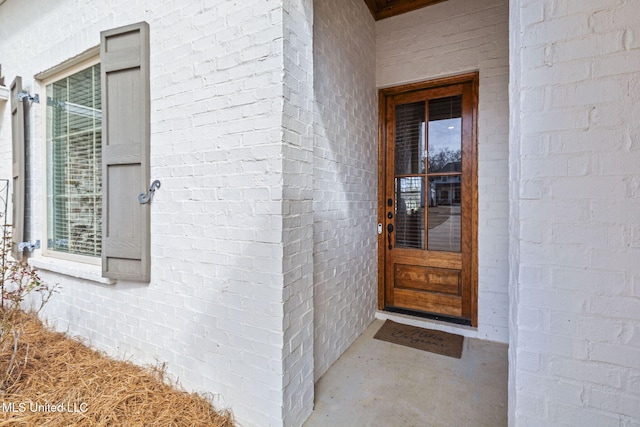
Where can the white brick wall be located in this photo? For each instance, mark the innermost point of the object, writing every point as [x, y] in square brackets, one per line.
[230, 204]
[455, 37]
[345, 177]
[575, 353]
[298, 212]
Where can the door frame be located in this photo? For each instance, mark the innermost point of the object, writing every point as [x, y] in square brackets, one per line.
[383, 95]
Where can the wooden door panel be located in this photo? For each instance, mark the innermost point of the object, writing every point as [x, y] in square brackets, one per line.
[449, 260]
[448, 305]
[428, 279]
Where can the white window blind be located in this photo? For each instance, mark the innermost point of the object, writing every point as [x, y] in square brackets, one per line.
[74, 175]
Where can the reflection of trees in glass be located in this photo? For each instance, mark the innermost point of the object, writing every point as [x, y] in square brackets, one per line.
[445, 160]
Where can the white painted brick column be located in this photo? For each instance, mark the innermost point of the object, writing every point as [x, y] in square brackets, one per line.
[345, 179]
[575, 206]
[297, 212]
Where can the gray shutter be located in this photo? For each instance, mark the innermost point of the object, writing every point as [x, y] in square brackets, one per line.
[18, 174]
[124, 57]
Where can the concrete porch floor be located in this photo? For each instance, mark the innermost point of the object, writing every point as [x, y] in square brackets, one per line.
[376, 383]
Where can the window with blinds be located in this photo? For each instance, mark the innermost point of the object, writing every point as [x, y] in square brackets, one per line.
[428, 170]
[74, 171]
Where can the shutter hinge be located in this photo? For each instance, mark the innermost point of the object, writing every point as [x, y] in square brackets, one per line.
[22, 95]
[28, 246]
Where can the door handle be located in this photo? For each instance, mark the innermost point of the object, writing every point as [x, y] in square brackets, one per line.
[389, 231]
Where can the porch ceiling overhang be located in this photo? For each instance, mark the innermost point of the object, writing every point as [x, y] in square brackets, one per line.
[381, 9]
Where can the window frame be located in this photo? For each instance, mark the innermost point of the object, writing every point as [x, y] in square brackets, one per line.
[66, 69]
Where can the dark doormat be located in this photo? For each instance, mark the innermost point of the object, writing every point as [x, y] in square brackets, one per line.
[423, 339]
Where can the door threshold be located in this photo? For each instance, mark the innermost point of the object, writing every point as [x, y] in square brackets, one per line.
[427, 323]
[443, 318]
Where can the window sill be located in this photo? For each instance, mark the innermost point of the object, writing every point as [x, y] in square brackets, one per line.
[71, 268]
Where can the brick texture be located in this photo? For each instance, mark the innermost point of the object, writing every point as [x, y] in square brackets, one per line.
[232, 230]
[574, 208]
[344, 177]
[298, 239]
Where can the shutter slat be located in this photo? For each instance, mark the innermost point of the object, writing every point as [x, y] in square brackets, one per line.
[18, 172]
[124, 56]
[122, 154]
[122, 62]
[126, 248]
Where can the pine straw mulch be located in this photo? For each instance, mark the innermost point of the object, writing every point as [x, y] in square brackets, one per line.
[62, 374]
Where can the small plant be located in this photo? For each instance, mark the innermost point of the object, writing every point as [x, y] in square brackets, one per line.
[18, 282]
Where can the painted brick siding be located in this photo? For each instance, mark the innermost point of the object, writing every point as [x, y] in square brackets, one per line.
[454, 37]
[345, 177]
[298, 379]
[575, 156]
[224, 217]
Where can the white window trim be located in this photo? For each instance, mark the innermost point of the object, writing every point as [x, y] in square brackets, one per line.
[82, 60]
[52, 75]
[71, 268]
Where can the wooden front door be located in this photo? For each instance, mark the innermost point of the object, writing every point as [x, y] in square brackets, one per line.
[428, 199]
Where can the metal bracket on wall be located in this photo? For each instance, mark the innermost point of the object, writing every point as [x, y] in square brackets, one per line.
[28, 246]
[146, 198]
[22, 95]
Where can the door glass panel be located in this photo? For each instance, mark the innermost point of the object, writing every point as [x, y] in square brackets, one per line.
[445, 134]
[409, 216]
[445, 196]
[409, 138]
